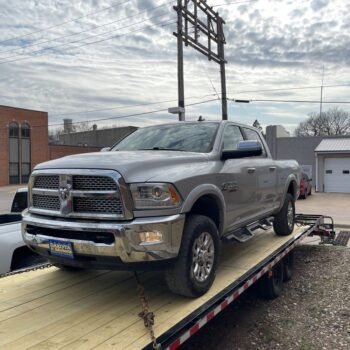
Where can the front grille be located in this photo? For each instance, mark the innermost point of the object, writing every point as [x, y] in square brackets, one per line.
[93, 183]
[50, 182]
[97, 205]
[46, 202]
[90, 196]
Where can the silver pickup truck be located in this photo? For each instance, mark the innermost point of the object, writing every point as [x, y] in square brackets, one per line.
[165, 196]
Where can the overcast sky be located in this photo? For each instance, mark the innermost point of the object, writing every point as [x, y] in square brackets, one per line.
[78, 56]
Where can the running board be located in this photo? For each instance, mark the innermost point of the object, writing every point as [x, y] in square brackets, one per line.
[246, 233]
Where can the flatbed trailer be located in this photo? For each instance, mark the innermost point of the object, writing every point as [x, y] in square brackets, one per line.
[48, 308]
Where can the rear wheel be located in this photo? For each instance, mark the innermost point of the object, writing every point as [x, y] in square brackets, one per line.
[270, 285]
[194, 271]
[288, 263]
[283, 223]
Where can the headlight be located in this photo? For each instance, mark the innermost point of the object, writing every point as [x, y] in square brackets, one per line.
[154, 195]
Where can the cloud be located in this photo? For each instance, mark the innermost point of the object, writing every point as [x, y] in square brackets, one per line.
[269, 46]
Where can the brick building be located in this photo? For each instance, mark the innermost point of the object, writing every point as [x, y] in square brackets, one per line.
[24, 143]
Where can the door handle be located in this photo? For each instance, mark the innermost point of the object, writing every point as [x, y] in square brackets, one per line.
[251, 170]
[272, 168]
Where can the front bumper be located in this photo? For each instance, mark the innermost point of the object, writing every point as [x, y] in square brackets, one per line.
[123, 246]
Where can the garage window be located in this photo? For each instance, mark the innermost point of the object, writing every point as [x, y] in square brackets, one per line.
[329, 171]
[346, 172]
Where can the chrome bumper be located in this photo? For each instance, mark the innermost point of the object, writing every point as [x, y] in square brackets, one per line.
[127, 244]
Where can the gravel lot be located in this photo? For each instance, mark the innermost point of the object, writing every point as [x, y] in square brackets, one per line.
[312, 313]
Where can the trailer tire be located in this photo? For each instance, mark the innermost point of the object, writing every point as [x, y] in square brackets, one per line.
[200, 246]
[288, 263]
[283, 223]
[270, 285]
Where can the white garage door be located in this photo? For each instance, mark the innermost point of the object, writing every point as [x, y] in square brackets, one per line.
[337, 175]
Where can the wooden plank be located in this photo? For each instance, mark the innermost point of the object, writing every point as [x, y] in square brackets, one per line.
[12, 288]
[51, 309]
[88, 314]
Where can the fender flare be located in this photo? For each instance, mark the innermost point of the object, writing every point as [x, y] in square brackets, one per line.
[207, 190]
[290, 180]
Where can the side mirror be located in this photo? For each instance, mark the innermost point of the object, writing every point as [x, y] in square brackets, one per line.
[245, 149]
[105, 149]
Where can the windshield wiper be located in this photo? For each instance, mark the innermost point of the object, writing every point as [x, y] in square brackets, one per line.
[160, 149]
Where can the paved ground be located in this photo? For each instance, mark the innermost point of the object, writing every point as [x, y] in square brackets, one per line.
[332, 204]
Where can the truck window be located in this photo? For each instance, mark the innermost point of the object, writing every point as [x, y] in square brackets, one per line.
[253, 135]
[232, 137]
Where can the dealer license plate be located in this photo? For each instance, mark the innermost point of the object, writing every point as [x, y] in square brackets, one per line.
[62, 249]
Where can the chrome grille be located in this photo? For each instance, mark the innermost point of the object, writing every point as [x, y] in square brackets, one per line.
[77, 193]
[46, 202]
[93, 183]
[50, 182]
[97, 205]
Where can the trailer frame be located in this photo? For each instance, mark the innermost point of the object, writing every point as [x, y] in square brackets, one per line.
[190, 325]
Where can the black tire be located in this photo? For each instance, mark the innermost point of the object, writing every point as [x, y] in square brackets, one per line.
[288, 264]
[283, 224]
[310, 192]
[181, 278]
[271, 284]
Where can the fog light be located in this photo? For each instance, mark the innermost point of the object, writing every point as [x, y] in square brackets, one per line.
[151, 237]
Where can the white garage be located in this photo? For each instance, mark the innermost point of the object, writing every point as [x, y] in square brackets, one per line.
[333, 165]
[337, 175]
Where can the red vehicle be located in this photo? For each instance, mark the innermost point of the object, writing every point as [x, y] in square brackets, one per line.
[305, 186]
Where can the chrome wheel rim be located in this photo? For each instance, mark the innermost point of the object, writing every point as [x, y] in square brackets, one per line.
[202, 257]
[290, 215]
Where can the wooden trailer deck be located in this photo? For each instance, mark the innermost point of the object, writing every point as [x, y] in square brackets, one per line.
[54, 309]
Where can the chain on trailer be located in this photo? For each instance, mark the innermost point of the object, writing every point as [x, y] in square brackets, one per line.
[146, 314]
[27, 269]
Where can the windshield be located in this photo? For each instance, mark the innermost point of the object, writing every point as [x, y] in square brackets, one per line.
[198, 137]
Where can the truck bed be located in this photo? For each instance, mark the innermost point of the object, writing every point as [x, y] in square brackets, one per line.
[54, 309]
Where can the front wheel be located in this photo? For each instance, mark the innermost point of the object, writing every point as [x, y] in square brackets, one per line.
[195, 268]
[283, 223]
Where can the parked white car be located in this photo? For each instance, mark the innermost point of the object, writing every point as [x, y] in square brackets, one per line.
[14, 254]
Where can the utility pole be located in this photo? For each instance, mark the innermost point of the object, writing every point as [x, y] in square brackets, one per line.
[180, 62]
[191, 13]
[321, 98]
[221, 37]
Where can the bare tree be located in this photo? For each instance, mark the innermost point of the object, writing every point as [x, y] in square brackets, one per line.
[333, 122]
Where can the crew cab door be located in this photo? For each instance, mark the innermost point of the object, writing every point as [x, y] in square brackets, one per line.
[237, 180]
[266, 176]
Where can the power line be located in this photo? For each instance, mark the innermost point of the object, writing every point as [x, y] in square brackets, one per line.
[93, 42]
[125, 107]
[298, 101]
[124, 116]
[80, 32]
[289, 89]
[66, 22]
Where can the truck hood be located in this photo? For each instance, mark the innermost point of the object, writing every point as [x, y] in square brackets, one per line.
[134, 166]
